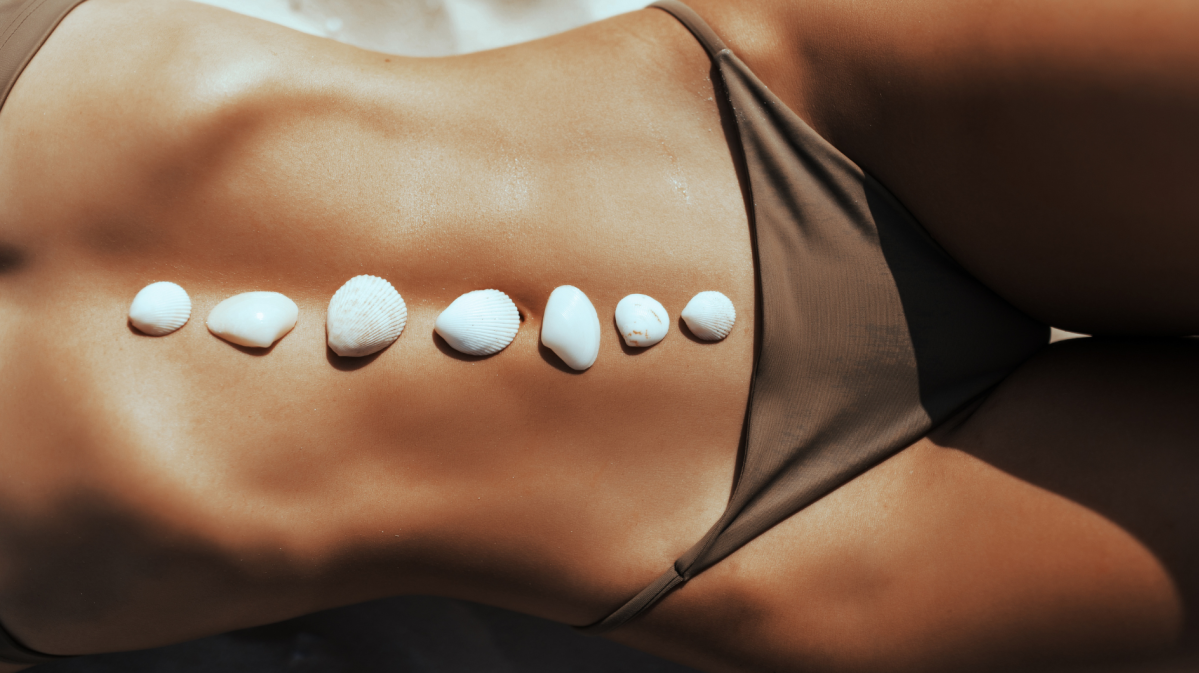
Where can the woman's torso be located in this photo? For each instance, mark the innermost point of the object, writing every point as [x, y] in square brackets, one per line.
[162, 488]
[238, 157]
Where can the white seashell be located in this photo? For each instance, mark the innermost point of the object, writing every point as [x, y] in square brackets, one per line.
[365, 316]
[160, 308]
[710, 316]
[482, 322]
[255, 319]
[642, 321]
[571, 327]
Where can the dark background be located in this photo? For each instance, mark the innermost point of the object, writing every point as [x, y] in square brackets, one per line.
[413, 633]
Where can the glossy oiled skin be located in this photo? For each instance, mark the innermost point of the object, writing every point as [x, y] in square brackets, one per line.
[158, 489]
[291, 164]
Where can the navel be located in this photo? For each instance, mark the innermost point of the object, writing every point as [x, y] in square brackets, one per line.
[12, 259]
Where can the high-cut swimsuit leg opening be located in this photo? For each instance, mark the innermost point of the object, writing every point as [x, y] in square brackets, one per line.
[870, 333]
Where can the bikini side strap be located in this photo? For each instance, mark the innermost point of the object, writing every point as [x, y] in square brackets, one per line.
[23, 29]
[698, 27]
[672, 578]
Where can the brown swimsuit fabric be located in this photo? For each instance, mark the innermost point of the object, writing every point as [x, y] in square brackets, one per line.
[870, 333]
[24, 26]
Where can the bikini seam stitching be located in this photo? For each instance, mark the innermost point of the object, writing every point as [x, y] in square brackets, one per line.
[17, 26]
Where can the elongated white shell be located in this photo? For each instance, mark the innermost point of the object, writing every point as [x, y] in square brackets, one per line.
[160, 308]
[710, 316]
[482, 322]
[365, 316]
[571, 327]
[255, 319]
[642, 320]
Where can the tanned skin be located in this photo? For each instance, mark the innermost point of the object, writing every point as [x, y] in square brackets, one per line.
[160, 489]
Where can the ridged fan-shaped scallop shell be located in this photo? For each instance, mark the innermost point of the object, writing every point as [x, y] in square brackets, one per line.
[365, 316]
[482, 322]
[710, 315]
[160, 308]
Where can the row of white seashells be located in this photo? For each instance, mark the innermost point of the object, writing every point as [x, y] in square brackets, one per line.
[367, 315]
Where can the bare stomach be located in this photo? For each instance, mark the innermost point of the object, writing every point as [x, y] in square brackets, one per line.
[158, 489]
[259, 483]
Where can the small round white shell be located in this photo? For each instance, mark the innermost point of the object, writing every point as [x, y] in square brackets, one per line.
[160, 308]
[642, 320]
[255, 319]
[710, 316]
[482, 322]
[365, 316]
[571, 327]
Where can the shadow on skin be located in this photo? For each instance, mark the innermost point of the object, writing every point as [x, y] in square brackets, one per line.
[447, 349]
[686, 331]
[84, 561]
[1110, 424]
[93, 574]
[137, 332]
[552, 358]
[250, 350]
[347, 364]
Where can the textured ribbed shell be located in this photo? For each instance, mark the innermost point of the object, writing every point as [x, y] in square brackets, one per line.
[642, 320]
[365, 316]
[482, 322]
[710, 316]
[160, 308]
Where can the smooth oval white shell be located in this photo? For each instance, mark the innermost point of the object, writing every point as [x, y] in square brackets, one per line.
[365, 316]
[710, 316]
[160, 308]
[642, 320]
[482, 322]
[571, 327]
[255, 319]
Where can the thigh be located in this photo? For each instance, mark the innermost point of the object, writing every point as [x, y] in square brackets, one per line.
[1050, 147]
[1055, 523]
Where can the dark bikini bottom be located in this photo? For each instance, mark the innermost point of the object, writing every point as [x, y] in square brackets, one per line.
[869, 333]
